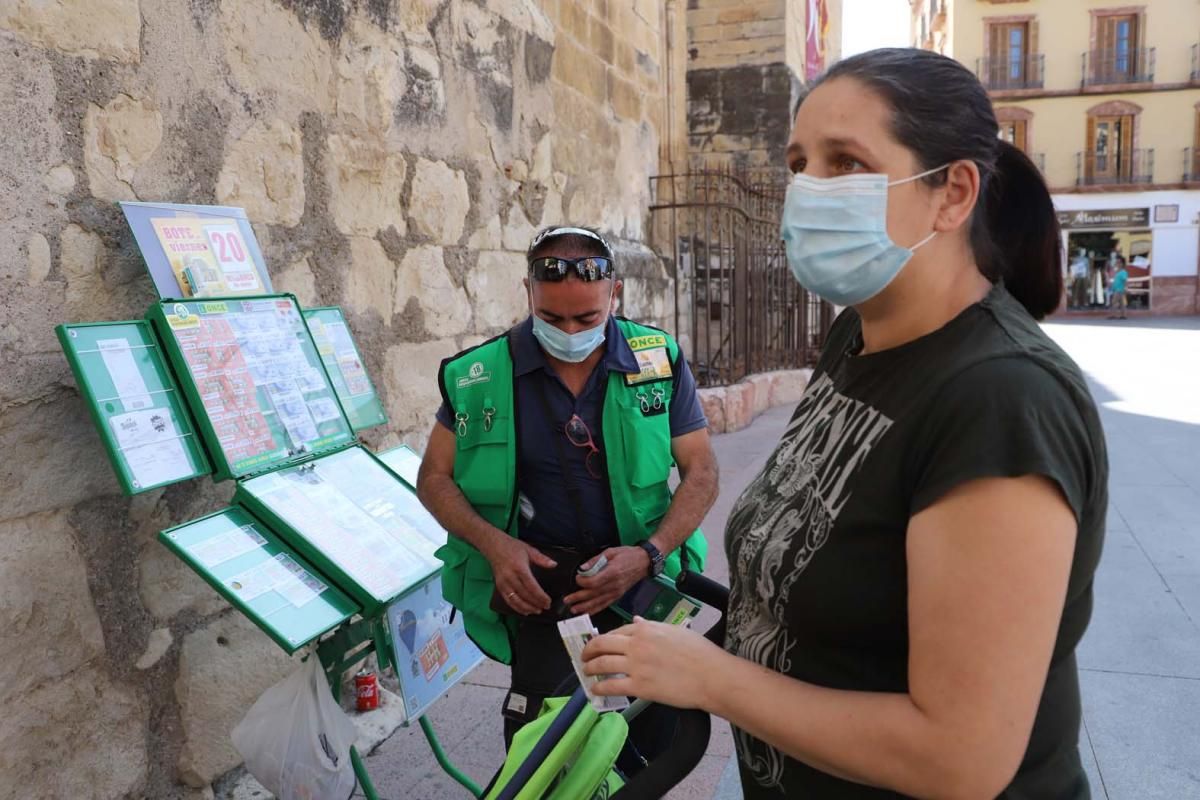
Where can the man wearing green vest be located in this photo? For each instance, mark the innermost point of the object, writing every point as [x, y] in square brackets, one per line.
[551, 456]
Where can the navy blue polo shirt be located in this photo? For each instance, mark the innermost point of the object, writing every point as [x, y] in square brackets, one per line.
[540, 480]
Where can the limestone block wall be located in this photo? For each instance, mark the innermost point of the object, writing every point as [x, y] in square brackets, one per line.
[395, 156]
[743, 74]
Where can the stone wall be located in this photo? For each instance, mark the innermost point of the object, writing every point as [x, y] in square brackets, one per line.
[395, 156]
[743, 75]
[1175, 295]
[745, 68]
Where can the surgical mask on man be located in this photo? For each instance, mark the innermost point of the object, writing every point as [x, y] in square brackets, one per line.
[835, 234]
[570, 347]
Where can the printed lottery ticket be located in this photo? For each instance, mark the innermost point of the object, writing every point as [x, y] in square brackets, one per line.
[576, 632]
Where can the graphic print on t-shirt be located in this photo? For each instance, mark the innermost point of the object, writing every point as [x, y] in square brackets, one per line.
[783, 518]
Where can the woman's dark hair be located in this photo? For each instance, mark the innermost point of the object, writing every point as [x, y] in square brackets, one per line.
[942, 113]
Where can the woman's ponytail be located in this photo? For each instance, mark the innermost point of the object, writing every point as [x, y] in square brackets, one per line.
[1015, 234]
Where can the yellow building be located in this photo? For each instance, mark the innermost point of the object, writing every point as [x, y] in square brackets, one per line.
[1106, 100]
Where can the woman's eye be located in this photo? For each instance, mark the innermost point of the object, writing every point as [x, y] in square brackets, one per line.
[847, 164]
[798, 165]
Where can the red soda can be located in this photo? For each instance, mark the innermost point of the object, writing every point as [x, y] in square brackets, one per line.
[366, 690]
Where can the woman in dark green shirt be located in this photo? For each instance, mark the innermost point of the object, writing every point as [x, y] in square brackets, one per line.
[912, 569]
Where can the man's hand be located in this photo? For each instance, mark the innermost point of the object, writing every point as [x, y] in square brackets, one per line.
[626, 566]
[511, 559]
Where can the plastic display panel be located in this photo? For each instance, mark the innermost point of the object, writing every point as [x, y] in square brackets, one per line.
[256, 385]
[431, 653]
[261, 576]
[344, 364]
[404, 461]
[354, 519]
[139, 412]
[198, 251]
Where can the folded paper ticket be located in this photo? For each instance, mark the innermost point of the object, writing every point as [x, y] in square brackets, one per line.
[576, 632]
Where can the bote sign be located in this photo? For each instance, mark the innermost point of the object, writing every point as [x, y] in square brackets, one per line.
[1105, 218]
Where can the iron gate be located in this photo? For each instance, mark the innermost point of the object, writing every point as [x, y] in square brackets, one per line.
[738, 310]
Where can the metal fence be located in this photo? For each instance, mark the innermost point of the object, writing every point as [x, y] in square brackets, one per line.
[1114, 168]
[1114, 67]
[738, 310]
[1006, 72]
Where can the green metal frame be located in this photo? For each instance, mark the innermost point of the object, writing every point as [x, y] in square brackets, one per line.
[366, 410]
[140, 336]
[371, 604]
[339, 606]
[350, 642]
[157, 316]
[340, 653]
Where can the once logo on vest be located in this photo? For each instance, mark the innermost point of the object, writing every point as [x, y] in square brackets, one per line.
[475, 375]
[646, 342]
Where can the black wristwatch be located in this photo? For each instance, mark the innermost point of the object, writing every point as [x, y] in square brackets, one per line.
[657, 560]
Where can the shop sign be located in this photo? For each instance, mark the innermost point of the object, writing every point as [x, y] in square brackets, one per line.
[1105, 218]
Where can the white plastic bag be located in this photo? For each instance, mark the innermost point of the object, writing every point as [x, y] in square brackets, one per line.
[296, 739]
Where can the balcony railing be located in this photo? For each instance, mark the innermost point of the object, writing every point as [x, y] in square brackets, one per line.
[1191, 165]
[1196, 62]
[1112, 67]
[1107, 169]
[1003, 73]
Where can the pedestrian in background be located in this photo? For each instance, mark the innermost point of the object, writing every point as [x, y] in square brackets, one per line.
[1079, 279]
[1117, 299]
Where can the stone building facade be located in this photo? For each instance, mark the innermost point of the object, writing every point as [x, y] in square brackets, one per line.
[395, 157]
[747, 63]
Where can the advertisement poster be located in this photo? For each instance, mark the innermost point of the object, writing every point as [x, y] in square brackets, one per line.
[198, 251]
[816, 39]
[431, 652]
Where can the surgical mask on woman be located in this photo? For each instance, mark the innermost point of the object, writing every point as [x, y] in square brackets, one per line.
[835, 234]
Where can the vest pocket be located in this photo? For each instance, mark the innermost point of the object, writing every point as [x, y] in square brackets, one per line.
[478, 588]
[647, 448]
[482, 466]
[454, 572]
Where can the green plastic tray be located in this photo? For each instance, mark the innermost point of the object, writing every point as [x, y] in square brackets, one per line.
[135, 403]
[260, 575]
[251, 374]
[354, 519]
[344, 363]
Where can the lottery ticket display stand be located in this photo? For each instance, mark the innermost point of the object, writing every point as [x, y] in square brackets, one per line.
[325, 545]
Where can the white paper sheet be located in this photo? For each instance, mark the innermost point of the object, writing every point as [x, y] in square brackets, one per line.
[227, 546]
[301, 587]
[323, 409]
[151, 445]
[293, 413]
[126, 377]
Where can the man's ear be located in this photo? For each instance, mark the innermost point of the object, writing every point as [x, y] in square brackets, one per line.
[616, 297]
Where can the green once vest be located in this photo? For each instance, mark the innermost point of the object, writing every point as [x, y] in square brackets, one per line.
[478, 388]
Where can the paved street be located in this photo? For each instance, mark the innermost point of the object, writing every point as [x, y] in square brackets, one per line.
[1140, 661]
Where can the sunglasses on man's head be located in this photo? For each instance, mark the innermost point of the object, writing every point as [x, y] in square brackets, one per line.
[588, 268]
